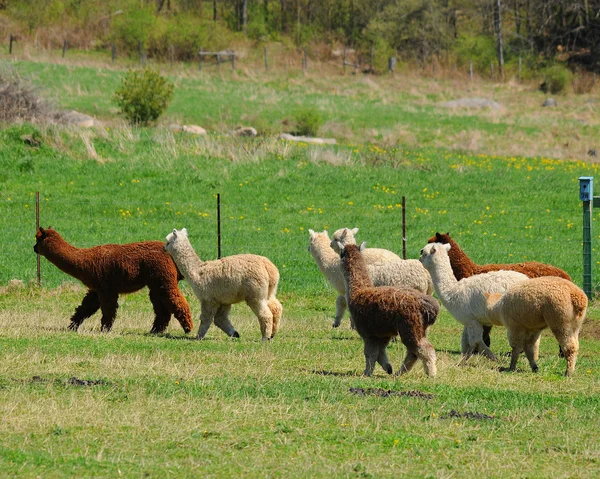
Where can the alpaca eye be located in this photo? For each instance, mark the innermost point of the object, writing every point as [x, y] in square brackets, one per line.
[421, 251]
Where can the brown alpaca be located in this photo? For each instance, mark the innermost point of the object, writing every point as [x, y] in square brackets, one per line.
[381, 313]
[112, 269]
[463, 267]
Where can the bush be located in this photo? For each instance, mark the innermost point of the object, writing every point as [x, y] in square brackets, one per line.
[583, 82]
[19, 100]
[143, 96]
[556, 78]
[308, 122]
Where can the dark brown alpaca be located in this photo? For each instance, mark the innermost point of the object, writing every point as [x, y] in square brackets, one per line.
[381, 313]
[112, 269]
[463, 267]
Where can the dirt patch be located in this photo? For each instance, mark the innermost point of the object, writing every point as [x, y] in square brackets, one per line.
[384, 393]
[467, 415]
[590, 329]
[73, 381]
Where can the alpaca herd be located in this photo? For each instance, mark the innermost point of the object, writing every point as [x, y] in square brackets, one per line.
[386, 296]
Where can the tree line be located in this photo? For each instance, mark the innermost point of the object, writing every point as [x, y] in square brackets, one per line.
[542, 31]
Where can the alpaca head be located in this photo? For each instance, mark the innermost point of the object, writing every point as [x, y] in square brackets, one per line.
[43, 237]
[433, 252]
[317, 239]
[443, 238]
[175, 239]
[344, 236]
[347, 251]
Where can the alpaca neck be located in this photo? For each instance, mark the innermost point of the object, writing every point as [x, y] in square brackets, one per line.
[327, 259]
[188, 262]
[67, 258]
[493, 312]
[459, 260]
[443, 278]
[355, 272]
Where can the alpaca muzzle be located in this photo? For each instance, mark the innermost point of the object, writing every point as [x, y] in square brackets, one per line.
[35, 249]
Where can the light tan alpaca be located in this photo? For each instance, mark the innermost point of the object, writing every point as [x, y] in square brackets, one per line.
[220, 283]
[529, 307]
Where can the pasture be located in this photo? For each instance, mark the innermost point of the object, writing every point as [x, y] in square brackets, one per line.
[137, 405]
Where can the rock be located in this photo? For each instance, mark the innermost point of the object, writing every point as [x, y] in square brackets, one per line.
[551, 102]
[245, 131]
[472, 103]
[591, 101]
[78, 119]
[308, 139]
[592, 152]
[193, 129]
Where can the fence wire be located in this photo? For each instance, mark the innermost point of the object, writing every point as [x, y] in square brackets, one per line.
[281, 232]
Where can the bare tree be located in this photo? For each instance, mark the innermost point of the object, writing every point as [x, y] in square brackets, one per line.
[498, 28]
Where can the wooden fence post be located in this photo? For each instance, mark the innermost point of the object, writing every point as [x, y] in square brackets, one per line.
[266, 60]
[37, 227]
[233, 59]
[404, 227]
[64, 48]
[471, 69]
[10, 44]
[218, 225]
[113, 52]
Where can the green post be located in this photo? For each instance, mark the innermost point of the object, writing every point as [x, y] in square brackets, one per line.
[586, 195]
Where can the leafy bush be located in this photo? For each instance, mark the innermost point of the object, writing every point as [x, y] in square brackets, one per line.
[480, 49]
[143, 96]
[556, 78]
[308, 121]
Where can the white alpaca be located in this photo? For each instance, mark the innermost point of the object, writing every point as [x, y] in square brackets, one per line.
[529, 307]
[465, 299]
[385, 269]
[220, 283]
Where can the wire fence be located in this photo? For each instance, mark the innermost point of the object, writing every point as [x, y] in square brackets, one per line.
[280, 232]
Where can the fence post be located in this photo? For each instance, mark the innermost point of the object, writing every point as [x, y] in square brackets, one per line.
[141, 52]
[372, 59]
[391, 64]
[12, 39]
[344, 59]
[37, 227]
[266, 60]
[172, 54]
[200, 59]
[304, 62]
[218, 62]
[586, 195]
[404, 227]
[233, 59]
[471, 69]
[64, 48]
[218, 225]
[113, 52]
[520, 60]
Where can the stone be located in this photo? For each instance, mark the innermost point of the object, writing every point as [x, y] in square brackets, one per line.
[308, 139]
[551, 102]
[78, 119]
[193, 129]
[245, 131]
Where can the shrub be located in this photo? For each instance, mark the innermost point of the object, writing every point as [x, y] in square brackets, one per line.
[308, 121]
[19, 99]
[556, 78]
[143, 96]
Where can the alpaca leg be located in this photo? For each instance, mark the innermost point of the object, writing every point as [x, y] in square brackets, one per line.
[426, 354]
[223, 323]
[162, 314]
[178, 306]
[465, 350]
[515, 339]
[89, 305]
[265, 317]
[532, 343]
[208, 311]
[109, 302]
[409, 361]
[382, 358]
[569, 342]
[486, 335]
[371, 350]
[277, 311]
[340, 309]
[475, 335]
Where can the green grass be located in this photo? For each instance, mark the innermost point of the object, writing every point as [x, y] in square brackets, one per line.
[168, 406]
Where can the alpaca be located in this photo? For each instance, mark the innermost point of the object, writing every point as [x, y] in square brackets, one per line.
[112, 269]
[527, 308]
[382, 313]
[465, 299]
[220, 283]
[463, 267]
[385, 269]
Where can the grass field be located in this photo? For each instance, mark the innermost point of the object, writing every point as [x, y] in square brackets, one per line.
[135, 405]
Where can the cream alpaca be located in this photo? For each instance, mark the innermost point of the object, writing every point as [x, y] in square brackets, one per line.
[219, 284]
[465, 299]
[529, 307]
[383, 272]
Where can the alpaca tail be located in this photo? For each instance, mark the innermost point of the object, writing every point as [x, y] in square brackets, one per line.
[273, 273]
[580, 302]
[429, 310]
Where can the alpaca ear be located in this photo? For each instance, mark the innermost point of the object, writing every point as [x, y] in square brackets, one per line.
[362, 246]
[42, 230]
[344, 234]
[447, 246]
[326, 233]
[174, 232]
[184, 231]
[311, 232]
[448, 233]
[438, 236]
[354, 231]
[432, 250]
[340, 246]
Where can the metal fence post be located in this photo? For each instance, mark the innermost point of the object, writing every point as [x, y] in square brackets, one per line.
[404, 227]
[218, 225]
[586, 195]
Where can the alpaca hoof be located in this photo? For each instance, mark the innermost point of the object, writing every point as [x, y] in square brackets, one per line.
[506, 370]
[335, 325]
[388, 368]
[73, 327]
[235, 334]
